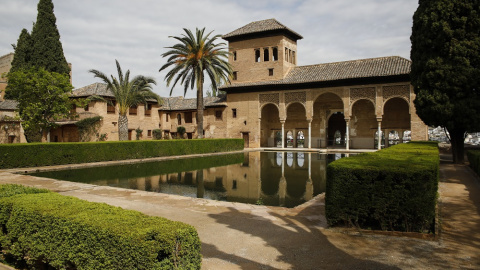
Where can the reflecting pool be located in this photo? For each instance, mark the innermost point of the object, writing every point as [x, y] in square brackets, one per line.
[270, 178]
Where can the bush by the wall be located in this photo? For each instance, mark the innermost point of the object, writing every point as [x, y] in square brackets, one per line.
[392, 189]
[474, 160]
[46, 154]
[50, 230]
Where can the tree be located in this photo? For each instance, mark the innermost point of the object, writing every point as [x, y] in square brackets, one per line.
[21, 58]
[190, 59]
[446, 67]
[47, 49]
[127, 93]
[43, 98]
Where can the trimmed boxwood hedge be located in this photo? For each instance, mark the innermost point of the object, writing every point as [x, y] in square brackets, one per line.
[46, 154]
[392, 189]
[50, 230]
[474, 160]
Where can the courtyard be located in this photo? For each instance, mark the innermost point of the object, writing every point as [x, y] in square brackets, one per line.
[243, 236]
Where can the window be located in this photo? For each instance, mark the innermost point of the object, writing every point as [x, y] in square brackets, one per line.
[266, 55]
[149, 133]
[179, 118]
[235, 56]
[132, 110]
[290, 56]
[286, 54]
[270, 72]
[86, 108]
[73, 109]
[148, 109]
[111, 107]
[166, 117]
[293, 57]
[257, 55]
[234, 113]
[234, 75]
[218, 115]
[275, 54]
[188, 117]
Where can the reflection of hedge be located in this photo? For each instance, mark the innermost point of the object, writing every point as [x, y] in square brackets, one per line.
[125, 171]
[50, 230]
[392, 189]
[474, 160]
[45, 154]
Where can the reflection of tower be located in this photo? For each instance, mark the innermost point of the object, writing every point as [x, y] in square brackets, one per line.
[309, 184]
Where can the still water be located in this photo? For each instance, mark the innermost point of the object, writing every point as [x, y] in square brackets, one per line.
[283, 179]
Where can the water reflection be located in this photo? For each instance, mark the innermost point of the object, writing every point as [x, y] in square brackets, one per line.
[271, 178]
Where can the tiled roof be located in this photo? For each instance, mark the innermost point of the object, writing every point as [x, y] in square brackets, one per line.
[8, 105]
[356, 69]
[94, 89]
[261, 27]
[181, 104]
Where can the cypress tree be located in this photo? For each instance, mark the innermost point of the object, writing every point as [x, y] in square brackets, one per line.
[446, 67]
[47, 48]
[23, 51]
[21, 59]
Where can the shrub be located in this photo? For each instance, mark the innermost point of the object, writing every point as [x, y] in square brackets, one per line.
[46, 154]
[181, 132]
[392, 189]
[50, 230]
[474, 160]
[157, 134]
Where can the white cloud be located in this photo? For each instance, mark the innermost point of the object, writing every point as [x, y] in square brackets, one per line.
[96, 32]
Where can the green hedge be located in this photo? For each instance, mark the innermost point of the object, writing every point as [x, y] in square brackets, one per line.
[50, 230]
[474, 160]
[392, 189]
[46, 154]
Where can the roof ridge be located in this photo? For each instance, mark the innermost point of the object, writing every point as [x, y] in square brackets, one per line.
[355, 60]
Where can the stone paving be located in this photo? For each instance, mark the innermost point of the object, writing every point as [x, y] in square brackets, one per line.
[242, 236]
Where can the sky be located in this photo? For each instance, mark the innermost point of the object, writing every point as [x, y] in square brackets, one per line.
[95, 33]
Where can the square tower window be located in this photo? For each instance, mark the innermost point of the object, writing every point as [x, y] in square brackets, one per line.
[286, 55]
[275, 53]
[234, 75]
[293, 57]
[266, 55]
[257, 55]
[235, 56]
[234, 113]
[270, 72]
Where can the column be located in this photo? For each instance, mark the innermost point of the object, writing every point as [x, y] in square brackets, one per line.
[347, 134]
[309, 133]
[283, 133]
[379, 138]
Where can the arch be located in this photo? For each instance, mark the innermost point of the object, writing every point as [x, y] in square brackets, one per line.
[296, 120]
[363, 124]
[336, 127]
[270, 124]
[323, 105]
[396, 117]
[294, 103]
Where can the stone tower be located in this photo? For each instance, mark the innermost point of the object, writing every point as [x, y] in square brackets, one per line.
[262, 51]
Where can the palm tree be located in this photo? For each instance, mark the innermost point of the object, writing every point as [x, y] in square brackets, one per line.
[127, 94]
[194, 55]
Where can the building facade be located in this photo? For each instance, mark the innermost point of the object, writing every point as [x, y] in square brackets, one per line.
[272, 102]
[275, 103]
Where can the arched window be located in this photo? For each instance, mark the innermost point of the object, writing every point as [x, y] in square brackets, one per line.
[179, 118]
[407, 136]
[266, 55]
[275, 53]
[337, 137]
[393, 137]
[300, 139]
[289, 139]
[257, 55]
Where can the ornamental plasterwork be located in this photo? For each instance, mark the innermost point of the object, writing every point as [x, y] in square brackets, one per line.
[296, 97]
[362, 93]
[402, 91]
[269, 98]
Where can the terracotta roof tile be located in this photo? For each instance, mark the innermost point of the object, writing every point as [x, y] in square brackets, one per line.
[181, 104]
[260, 27]
[356, 69]
[8, 105]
